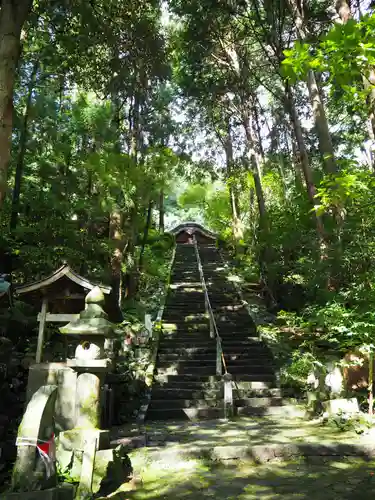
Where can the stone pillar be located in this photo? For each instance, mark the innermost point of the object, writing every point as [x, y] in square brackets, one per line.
[88, 401]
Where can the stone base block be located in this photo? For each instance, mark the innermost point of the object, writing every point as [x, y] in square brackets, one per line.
[335, 406]
[91, 467]
[70, 446]
[75, 438]
[109, 468]
[63, 492]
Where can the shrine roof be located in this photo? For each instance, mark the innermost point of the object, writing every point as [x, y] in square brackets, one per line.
[63, 272]
[192, 227]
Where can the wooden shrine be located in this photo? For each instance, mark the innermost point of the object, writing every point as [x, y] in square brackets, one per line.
[60, 298]
[187, 231]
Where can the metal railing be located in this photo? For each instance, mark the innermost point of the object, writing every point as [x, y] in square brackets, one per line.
[214, 333]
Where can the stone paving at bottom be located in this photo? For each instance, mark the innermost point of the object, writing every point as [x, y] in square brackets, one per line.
[178, 464]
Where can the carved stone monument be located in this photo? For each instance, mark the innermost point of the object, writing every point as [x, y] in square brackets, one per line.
[34, 473]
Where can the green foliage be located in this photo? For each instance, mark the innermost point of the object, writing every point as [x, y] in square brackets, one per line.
[345, 422]
[64, 474]
[295, 374]
[345, 55]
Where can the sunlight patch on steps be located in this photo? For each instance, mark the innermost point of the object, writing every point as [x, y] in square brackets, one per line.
[234, 278]
[186, 286]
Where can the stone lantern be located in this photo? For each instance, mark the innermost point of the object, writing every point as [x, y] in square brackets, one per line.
[92, 337]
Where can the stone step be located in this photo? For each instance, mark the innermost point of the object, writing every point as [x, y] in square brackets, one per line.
[187, 370]
[180, 343]
[190, 315]
[186, 276]
[232, 324]
[187, 393]
[257, 404]
[238, 366]
[187, 363]
[236, 346]
[247, 369]
[188, 319]
[185, 326]
[230, 334]
[184, 414]
[247, 388]
[249, 356]
[242, 389]
[186, 309]
[197, 379]
[194, 380]
[284, 411]
[182, 335]
[169, 404]
[165, 350]
[172, 357]
[253, 343]
[242, 320]
[187, 332]
[180, 301]
[201, 413]
[187, 337]
[199, 357]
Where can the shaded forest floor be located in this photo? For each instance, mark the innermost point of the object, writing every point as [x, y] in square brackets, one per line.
[318, 478]
[177, 461]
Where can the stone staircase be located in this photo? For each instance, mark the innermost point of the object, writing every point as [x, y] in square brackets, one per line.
[186, 385]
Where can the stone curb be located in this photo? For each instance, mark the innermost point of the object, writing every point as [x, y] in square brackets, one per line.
[149, 379]
[261, 453]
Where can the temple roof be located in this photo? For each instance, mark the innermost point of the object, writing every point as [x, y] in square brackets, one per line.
[191, 228]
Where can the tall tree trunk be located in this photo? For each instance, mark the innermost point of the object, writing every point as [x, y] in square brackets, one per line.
[265, 250]
[84, 221]
[255, 169]
[117, 254]
[304, 159]
[116, 219]
[233, 195]
[294, 155]
[161, 211]
[22, 150]
[132, 271]
[321, 124]
[145, 235]
[13, 15]
[258, 132]
[320, 118]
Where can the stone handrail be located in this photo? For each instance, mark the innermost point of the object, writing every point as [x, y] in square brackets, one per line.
[165, 293]
[220, 358]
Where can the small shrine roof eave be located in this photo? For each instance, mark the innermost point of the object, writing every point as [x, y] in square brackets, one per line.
[186, 226]
[64, 270]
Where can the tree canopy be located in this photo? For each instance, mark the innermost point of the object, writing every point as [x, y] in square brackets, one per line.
[255, 117]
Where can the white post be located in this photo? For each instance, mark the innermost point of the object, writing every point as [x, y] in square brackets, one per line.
[42, 323]
[228, 396]
[219, 366]
[148, 325]
[212, 331]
